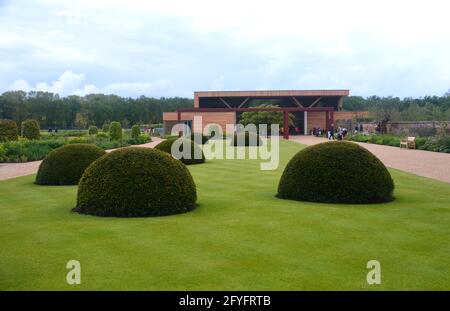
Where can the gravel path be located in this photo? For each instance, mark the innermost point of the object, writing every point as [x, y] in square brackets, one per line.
[12, 170]
[434, 165]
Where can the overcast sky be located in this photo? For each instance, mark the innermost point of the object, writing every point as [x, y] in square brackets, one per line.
[172, 48]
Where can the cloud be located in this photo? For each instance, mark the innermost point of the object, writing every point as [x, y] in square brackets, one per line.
[70, 83]
[66, 84]
[172, 48]
[20, 85]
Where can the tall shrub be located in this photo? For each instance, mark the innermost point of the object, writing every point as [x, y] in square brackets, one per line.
[8, 130]
[135, 131]
[115, 130]
[30, 129]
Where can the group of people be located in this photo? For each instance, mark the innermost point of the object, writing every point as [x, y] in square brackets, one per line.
[317, 131]
[359, 128]
[340, 134]
[332, 134]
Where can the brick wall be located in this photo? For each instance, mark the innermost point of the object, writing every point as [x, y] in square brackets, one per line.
[220, 118]
[315, 119]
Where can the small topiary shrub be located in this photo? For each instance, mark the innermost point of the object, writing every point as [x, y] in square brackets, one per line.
[135, 131]
[115, 131]
[246, 139]
[336, 172]
[93, 130]
[136, 182]
[30, 129]
[65, 165]
[8, 130]
[105, 128]
[166, 146]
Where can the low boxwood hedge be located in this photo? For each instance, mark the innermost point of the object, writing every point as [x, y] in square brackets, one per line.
[336, 172]
[166, 146]
[136, 182]
[65, 165]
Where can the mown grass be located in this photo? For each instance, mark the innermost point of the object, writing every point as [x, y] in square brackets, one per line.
[241, 237]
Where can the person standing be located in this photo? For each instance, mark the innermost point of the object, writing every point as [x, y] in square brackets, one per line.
[331, 132]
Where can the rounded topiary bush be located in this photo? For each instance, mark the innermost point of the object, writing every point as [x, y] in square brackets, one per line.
[65, 165]
[8, 130]
[105, 128]
[31, 129]
[93, 130]
[136, 182]
[115, 131]
[246, 139]
[166, 146]
[336, 172]
[135, 131]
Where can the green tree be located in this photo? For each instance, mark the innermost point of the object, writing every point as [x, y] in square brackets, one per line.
[265, 117]
[81, 121]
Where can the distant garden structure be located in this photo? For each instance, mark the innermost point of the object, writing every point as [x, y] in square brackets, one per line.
[310, 108]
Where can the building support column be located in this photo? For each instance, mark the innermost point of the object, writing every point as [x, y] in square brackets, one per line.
[305, 123]
[285, 124]
[327, 120]
[331, 117]
[180, 133]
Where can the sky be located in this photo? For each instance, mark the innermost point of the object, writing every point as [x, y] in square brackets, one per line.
[173, 48]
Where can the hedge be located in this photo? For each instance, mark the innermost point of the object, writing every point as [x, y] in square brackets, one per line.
[336, 172]
[65, 165]
[8, 130]
[136, 182]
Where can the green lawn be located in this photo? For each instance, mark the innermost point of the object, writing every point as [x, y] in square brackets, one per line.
[240, 238]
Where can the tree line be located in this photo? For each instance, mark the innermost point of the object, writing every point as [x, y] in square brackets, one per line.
[429, 108]
[51, 110]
